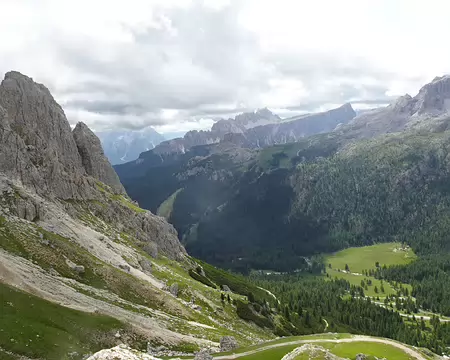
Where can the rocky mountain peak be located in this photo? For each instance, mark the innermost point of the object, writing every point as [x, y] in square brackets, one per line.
[347, 107]
[38, 148]
[93, 158]
[434, 98]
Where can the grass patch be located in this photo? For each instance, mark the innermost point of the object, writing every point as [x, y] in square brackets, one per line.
[124, 201]
[37, 328]
[365, 258]
[165, 209]
[350, 350]
[344, 350]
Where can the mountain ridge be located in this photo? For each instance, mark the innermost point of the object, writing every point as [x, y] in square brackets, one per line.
[258, 129]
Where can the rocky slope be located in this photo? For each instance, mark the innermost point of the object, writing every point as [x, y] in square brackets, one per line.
[123, 146]
[73, 244]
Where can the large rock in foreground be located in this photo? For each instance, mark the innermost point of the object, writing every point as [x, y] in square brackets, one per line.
[121, 352]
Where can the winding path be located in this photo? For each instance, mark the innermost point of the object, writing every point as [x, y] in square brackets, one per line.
[357, 338]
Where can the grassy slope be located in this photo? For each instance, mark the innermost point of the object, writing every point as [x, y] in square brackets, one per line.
[364, 258]
[49, 250]
[344, 350]
[165, 209]
[37, 328]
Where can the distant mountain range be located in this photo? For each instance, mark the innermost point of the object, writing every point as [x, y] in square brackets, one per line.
[123, 146]
[259, 129]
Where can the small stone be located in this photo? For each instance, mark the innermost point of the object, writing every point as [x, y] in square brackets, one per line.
[125, 267]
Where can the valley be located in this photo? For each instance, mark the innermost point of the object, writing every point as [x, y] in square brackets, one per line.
[350, 230]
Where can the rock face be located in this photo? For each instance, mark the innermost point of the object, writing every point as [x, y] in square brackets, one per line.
[228, 343]
[429, 109]
[38, 148]
[39, 154]
[93, 158]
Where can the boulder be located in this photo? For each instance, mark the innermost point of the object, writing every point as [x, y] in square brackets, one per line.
[146, 265]
[228, 343]
[203, 355]
[173, 289]
[226, 288]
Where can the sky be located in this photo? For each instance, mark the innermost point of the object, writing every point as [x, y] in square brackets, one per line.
[179, 65]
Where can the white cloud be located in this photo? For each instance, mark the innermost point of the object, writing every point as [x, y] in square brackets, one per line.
[178, 64]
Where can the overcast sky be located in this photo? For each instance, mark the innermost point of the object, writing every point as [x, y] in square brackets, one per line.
[176, 65]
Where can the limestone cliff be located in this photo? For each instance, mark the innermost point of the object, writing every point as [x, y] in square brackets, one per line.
[41, 157]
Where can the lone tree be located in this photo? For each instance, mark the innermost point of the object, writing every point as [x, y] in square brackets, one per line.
[228, 298]
[222, 297]
[377, 264]
[347, 268]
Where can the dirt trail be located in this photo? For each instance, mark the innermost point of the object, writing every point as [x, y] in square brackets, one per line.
[357, 338]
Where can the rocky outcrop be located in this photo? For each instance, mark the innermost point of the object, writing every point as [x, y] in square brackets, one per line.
[429, 110]
[203, 355]
[93, 158]
[38, 148]
[121, 352]
[228, 343]
[42, 160]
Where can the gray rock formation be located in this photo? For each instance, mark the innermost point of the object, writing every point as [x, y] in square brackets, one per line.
[146, 265]
[38, 148]
[41, 160]
[174, 289]
[93, 158]
[428, 110]
[228, 343]
[203, 355]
